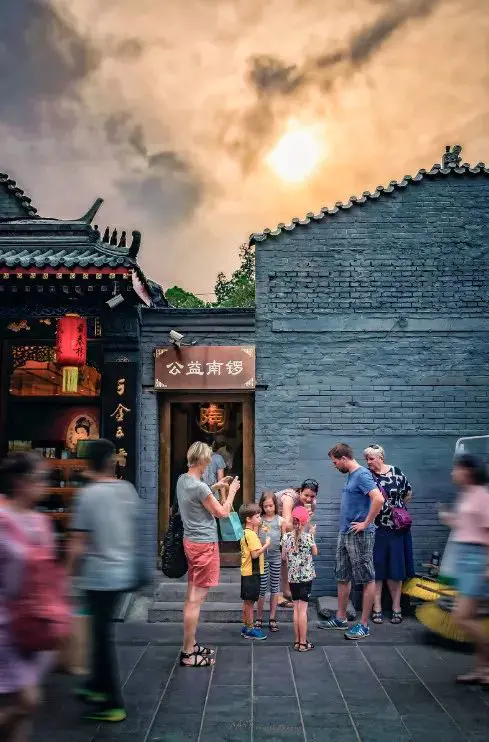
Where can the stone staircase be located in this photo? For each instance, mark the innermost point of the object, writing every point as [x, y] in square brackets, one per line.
[223, 604]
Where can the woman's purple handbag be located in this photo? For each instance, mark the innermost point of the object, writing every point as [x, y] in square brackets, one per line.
[401, 519]
[400, 516]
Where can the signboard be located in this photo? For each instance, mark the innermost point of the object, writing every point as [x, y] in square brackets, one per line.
[119, 403]
[205, 367]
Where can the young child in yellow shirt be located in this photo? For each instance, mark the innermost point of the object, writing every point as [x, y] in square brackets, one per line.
[252, 567]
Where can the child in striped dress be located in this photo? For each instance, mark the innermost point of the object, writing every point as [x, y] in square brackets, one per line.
[272, 525]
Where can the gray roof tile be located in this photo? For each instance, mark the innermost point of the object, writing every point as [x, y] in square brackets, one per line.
[437, 171]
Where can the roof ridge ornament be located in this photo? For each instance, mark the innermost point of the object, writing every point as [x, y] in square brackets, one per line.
[135, 244]
[451, 156]
[92, 211]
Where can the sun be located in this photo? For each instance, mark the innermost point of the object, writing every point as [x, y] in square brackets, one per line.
[298, 153]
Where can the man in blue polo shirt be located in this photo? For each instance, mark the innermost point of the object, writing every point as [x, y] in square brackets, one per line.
[361, 502]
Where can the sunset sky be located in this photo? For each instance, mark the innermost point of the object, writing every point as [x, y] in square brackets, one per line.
[202, 121]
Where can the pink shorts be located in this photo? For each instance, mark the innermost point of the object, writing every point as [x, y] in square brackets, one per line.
[203, 563]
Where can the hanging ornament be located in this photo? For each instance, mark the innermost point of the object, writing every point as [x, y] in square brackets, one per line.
[71, 349]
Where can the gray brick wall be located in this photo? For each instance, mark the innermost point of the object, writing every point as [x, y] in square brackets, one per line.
[206, 327]
[371, 326]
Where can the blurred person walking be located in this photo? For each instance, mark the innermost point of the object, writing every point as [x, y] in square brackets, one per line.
[104, 533]
[24, 535]
[469, 522]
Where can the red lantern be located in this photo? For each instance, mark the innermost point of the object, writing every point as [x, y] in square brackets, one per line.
[71, 349]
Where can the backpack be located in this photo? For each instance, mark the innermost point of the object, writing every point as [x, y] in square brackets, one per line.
[40, 615]
[173, 560]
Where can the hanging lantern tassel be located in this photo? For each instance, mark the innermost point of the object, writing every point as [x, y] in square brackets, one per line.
[70, 379]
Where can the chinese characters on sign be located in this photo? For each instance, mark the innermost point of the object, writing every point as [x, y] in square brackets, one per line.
[120, 418]
[206, 367]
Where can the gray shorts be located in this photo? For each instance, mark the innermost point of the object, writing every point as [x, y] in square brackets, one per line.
[355, 558]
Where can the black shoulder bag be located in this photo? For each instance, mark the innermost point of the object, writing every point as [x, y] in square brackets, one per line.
[173, 560]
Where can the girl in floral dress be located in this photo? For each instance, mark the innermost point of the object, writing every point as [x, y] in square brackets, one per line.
[299, 547]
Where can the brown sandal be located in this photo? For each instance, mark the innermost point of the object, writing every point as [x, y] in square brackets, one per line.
[285, 604]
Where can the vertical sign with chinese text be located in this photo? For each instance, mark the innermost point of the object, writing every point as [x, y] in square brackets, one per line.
[213, 367]
[119, 400]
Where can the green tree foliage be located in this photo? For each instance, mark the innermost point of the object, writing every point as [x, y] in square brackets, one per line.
[239, 290]
[182, 299]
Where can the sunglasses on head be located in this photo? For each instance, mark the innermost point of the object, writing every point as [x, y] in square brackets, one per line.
[310, 484]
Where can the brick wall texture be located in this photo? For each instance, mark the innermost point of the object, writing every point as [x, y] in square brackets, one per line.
[372, 326]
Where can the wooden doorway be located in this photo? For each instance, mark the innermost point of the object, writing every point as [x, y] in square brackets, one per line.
[179, 428]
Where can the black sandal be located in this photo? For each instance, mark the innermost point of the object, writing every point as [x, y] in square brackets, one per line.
[396, 617]
[296, 646]
[306, 647]
[199, 660]
[377, 617]
[203, 651]
[258, 623]
[272, 625]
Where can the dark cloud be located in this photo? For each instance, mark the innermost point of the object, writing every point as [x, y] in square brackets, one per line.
[41, 56]
[270, 75]
[370, 38]
[164, 200]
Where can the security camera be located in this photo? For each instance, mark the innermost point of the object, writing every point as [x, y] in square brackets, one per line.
[176, 338]
[115, 301]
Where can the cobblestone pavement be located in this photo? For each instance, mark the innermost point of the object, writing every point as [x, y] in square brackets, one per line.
[390, 688]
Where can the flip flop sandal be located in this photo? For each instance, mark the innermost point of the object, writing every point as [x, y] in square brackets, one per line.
[272, 625]
[203, 651]
[396, 617]
[198, 660]
[377, 617]
[258, 623]
[286, 604]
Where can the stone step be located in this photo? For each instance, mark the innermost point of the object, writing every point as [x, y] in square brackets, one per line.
[166, 612]
[228, 592]
[227, 575]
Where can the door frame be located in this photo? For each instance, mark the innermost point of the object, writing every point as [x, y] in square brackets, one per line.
[247, 400]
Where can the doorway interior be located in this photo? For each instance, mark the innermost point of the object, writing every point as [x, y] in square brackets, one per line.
[221, 417]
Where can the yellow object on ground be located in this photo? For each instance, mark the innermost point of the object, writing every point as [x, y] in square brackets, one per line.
[437, 617]
[424, 588]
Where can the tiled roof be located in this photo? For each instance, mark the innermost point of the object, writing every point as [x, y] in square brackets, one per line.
[47, 243]
[24, 201]
[436, 172]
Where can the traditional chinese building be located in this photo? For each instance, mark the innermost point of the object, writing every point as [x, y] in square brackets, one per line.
[70, 300]
[370, 326]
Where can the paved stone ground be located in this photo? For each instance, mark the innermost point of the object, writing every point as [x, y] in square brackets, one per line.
[392, 687]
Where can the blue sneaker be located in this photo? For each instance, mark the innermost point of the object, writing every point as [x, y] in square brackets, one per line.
[257, 634]
[244, 631]
[359, 631]
[333, 623]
